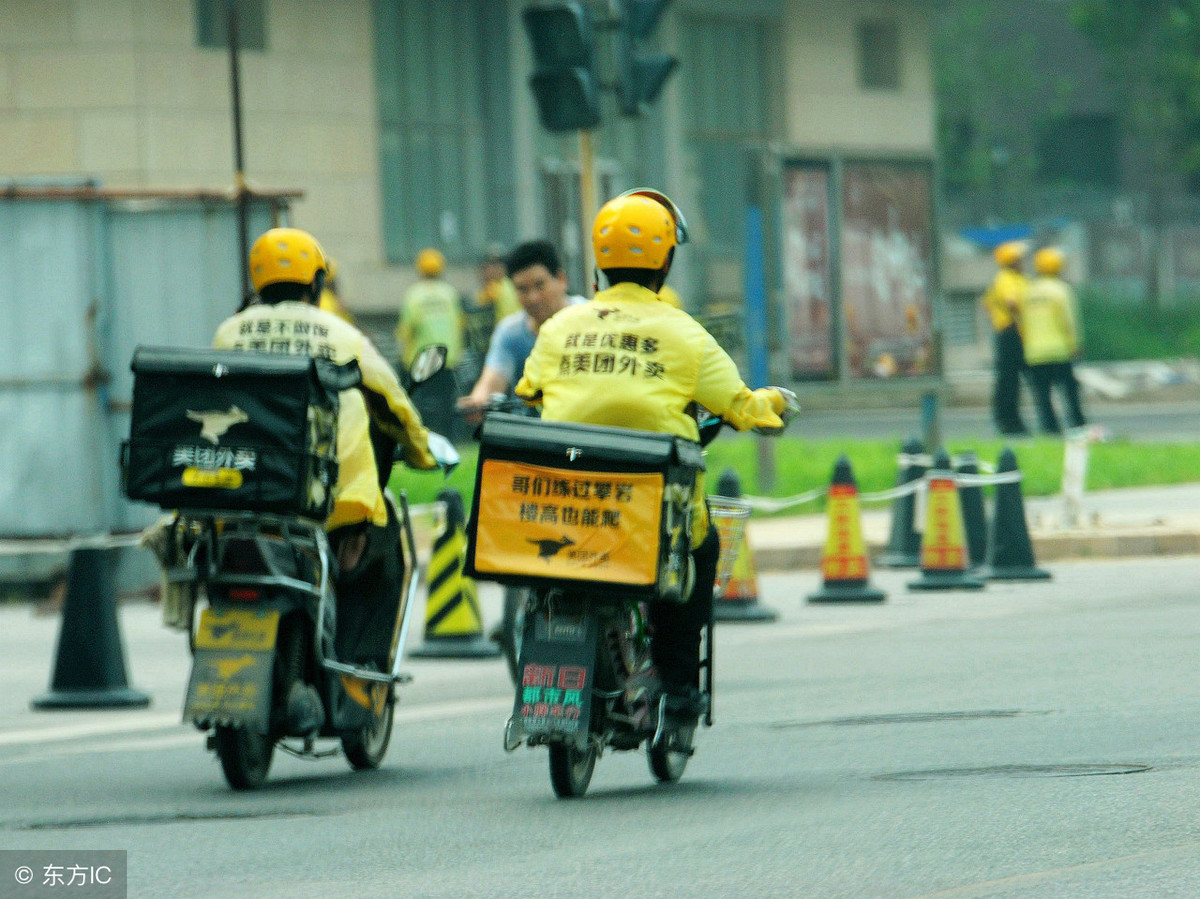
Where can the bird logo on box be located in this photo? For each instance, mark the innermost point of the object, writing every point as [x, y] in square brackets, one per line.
[214, 423]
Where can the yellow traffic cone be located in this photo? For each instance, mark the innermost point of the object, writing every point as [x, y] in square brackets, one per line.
[844, 566]
[739, 601]
[944, 559]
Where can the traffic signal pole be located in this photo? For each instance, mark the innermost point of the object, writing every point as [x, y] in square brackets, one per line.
[566, 79]
[587, 204]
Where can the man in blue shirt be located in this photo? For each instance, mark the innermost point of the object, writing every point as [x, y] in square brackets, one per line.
[541, 284]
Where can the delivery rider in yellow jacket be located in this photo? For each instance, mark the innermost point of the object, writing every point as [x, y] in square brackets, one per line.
[288, 269]
[629, 359]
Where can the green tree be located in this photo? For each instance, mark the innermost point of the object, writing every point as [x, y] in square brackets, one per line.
[1153, 51]
[985, 151]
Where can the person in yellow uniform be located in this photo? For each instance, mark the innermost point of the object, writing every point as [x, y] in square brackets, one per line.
[1003, 301]
[1051, 338]
[288, 269]
[431, 313]
[331, 295]
[495, 299]
[629, 359]
[670, 296]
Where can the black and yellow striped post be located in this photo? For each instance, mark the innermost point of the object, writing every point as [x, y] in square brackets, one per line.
[453, 623]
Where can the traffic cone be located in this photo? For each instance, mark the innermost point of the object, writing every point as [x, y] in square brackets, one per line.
[739, 602]
[89, 665]
[453, 624]
[1009, 550]
[970, 496]
[904, 544]
[844, 568]
[944, 558]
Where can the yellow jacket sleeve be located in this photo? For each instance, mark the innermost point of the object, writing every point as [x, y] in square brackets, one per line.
[391, 408]
[720, 390]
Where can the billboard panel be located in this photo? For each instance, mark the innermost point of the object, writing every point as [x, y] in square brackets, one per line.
[887, 269]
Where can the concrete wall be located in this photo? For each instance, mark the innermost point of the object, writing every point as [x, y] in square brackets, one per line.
[825, 107]
[119, 90]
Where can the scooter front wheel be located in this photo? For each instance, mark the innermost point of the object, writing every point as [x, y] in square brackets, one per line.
[667, 764]
[245, 756]
[571, 769]
[366, 747]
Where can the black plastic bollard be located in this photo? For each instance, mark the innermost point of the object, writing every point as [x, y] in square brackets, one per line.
[89, 665]
[1010, 551]
[970, 497]
[904, 544]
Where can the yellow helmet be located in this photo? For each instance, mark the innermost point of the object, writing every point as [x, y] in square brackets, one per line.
[1049, 261]
[1010, 252]
[430, 263]
[638, 229]
[285, 255]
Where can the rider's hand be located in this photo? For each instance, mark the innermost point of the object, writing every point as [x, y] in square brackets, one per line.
[790, 409]
[471, 408]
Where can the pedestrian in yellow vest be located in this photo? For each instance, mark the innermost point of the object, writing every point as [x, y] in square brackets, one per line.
[1051, 337]
[432, 314]
[1003, 302]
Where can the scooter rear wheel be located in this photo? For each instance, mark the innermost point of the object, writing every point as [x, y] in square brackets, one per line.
[245, 756]
[571, 769]
[512, 629]
[366, 747]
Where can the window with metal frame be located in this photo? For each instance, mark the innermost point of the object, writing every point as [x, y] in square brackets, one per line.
[444, 123]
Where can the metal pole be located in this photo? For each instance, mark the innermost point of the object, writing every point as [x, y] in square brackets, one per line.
[755, 279]
[239, 179]
[587, 204]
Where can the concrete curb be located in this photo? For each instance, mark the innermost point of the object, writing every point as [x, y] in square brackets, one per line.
[1051, 547]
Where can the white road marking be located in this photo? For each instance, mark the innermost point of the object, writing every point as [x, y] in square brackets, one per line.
[188, 735]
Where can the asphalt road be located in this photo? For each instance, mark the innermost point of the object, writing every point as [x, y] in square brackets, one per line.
[1037, 739]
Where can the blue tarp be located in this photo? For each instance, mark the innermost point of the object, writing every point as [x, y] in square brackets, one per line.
[990, 238]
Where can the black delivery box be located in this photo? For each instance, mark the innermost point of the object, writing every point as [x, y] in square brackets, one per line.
[602, 508]
[232, 430]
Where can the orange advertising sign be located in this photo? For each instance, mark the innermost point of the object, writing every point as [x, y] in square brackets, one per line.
[576, 525]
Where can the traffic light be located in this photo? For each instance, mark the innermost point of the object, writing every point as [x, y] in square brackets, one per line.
[640, 76]
[565, 85]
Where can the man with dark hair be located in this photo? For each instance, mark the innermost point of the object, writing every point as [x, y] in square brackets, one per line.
[541, 284]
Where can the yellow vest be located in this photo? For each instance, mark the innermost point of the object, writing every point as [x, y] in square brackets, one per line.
[305, 329]
[1006, 293]
[502, 296]
[1049, 332]
[431, 314]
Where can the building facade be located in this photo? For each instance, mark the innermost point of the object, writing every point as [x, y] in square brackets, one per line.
[408, 123]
